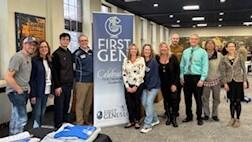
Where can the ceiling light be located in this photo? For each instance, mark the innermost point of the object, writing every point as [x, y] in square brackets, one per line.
[171, 16]
[175, 26]
[219, 25]
[222, 1]
[194, 26]
[221, 13]
[178, 21]
[251, 16]
[198, 18]
[191, 7]
[220, 19]
[201, 25]
[155, 5]
[247, 23]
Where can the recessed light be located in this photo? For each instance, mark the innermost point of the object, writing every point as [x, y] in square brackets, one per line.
[198, 18]
[171, 16]
[194, 26]
[222, 1]
[247, 23]
[251, 16]
[220, 19]
[155, 5]
[201, 25]
[219, 25]
[221, 13]
[191, 7]
[175, 25]
[178, 21]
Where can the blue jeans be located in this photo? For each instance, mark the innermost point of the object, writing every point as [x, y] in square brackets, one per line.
[18, 112]
[148, 97]
[38, 110]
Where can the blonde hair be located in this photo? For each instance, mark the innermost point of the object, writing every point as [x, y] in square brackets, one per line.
[169, 53]
[130, 46]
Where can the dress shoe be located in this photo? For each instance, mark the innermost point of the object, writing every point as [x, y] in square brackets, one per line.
[200, 122]
[215, 118]
[187, 119]
[205, 117]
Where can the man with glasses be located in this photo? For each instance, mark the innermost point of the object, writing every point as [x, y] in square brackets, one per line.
[193, 72]
[83, 58]
[18, 88]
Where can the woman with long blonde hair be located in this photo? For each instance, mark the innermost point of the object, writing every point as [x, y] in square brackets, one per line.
[133, 71]
[169, 76]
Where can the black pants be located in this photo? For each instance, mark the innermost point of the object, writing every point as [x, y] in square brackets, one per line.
[61, 105]
[170, 101]
[190, 87]
[133, 101]
[235, 94]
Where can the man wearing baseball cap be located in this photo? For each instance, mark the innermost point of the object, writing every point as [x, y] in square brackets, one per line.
[18, 88]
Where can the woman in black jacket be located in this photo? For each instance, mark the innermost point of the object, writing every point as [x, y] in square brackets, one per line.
[169, 77]
[40, 82]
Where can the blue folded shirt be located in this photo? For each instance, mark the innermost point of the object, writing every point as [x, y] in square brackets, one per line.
[81, 132]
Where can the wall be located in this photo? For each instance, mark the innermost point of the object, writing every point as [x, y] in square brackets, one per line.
[223, 31]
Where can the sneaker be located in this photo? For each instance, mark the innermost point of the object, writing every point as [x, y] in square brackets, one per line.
[231, 122]
[237, 123]
[146, 130]
[155, 123]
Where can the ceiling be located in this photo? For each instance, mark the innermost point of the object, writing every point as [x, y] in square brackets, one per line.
[235, 11]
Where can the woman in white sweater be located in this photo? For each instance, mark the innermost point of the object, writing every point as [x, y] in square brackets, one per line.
[133, 72]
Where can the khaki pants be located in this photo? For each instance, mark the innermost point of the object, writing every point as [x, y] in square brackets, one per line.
[84, 98]
[216, 99]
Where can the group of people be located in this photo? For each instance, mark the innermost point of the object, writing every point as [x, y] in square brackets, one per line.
[34, 73]
[198, 71]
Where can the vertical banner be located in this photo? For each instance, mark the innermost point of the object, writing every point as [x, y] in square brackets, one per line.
[112, 33]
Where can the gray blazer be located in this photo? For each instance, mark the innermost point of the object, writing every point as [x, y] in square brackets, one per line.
[236, 72]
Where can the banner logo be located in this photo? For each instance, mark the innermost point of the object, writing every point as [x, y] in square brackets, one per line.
[112, 26]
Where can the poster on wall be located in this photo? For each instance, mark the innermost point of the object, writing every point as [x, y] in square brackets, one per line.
[112, 34]
[29, 25]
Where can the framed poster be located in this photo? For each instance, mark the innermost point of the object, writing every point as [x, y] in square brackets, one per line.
[29, 25]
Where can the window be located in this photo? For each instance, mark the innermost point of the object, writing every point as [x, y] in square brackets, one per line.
[73, 21]
[105, 8]
[142, 32]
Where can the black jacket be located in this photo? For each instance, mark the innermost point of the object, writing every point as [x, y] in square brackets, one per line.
[38, 77]
[62, 67]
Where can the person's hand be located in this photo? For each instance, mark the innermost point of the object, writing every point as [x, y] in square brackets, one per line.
[33, 100]
[226, 87]
[134, 89]
[129, 90]
[200, 83]
[20, 91]
[245, 85]
[173, 88]
[58, 91]
[182, 82]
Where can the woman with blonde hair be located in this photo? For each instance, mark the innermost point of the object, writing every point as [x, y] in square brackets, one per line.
[133, 71]
[169, 76]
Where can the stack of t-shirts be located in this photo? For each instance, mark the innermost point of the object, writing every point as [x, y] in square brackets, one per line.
[74, 133]
[21, 137]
